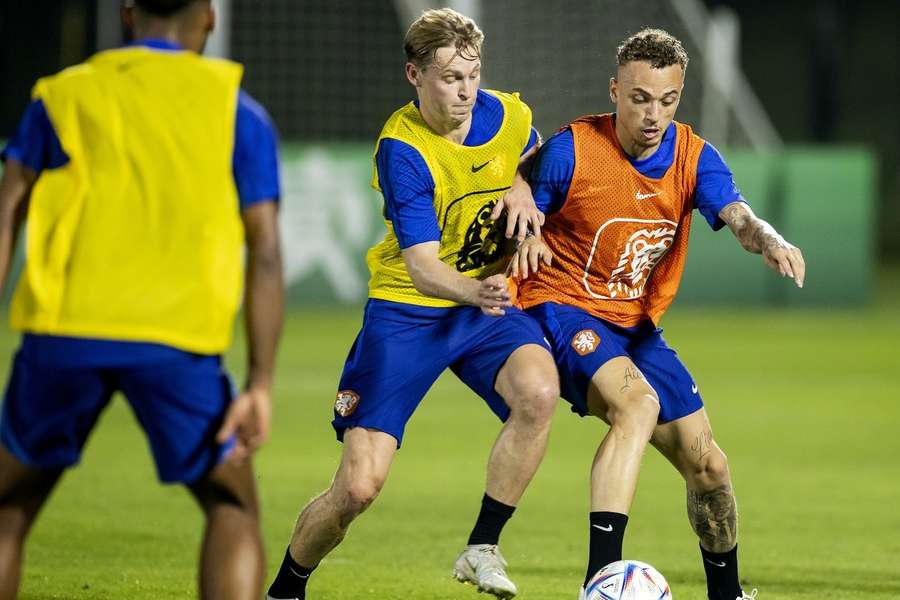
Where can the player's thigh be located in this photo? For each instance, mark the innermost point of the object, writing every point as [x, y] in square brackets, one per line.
[591, 358]
[23, 488]
[395, 359]
[675, 386]
[180, 403]
[507, 361]
[229, 483]
[619, 387]
[365, 463]
[49, 408]
[688, 443]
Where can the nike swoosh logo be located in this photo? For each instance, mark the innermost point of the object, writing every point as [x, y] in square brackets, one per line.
[607, 529]
[715, 564]
[694, 388]
[641, 196]
[297, 574]
[480, 167]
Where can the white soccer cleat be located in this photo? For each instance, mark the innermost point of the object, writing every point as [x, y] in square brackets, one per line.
[750, 596]
[484, 566]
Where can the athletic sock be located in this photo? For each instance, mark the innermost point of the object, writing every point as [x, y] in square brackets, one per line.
[291, 580]
[722, 581]
[607, 535]
[491, 519]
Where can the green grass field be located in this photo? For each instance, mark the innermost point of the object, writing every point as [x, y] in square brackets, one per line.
[805, 403]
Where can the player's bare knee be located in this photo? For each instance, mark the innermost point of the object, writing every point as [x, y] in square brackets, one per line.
[636, 413]
[710, 471]
[360, 494]
[14, 521]
[535, 403]
[228, 486]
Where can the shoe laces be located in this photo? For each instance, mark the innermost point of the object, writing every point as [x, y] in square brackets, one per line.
[751, 596]
[495, 560]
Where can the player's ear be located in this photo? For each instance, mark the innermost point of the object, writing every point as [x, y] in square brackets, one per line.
[413, 74]
[126, 11]
[209, 19]
[613, 90]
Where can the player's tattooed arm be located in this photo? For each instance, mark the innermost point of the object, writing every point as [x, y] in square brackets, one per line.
[15, 191]
[759, 237]
[713, 516]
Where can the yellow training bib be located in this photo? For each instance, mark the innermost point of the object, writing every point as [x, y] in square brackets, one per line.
[139, 236]
[468, 181]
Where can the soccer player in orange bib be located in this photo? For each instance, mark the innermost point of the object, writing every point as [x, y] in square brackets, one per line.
[619, 191]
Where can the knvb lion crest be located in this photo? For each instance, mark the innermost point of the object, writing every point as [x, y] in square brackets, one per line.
[643, 250]
[585, 341]
[346, 403]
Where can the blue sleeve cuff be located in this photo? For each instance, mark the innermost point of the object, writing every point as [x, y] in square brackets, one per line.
[255, 159]
[715, 186]
[551, 176]
[532, 140]
[35, 143]
[408, 190]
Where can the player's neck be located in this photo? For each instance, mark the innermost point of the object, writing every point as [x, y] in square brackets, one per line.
[451, 130]
[169, 31]
[631, 147]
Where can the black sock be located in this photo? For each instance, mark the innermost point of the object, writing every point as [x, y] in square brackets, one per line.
[491, 519]
[607, 534]
[722, 581]
[291, 580]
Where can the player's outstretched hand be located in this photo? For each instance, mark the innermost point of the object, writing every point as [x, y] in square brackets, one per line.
[522, 215]
[528, 258]
[785, 258]
[248, 419]
[493, 295]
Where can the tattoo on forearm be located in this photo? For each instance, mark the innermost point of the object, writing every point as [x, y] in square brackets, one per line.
[713, 516]
[632, 374]
[754, 234]
[702, 444]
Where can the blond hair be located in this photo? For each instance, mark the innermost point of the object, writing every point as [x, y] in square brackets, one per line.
[441, 28]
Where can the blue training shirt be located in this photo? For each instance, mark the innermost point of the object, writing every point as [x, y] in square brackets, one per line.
[256, 175]
[406, 182]
[555, 165]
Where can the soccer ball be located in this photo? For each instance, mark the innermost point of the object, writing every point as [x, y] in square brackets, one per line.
[627, 580]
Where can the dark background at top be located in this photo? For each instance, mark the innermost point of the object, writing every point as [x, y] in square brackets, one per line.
[827, 71]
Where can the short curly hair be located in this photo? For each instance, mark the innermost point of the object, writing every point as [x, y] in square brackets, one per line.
[655, 46]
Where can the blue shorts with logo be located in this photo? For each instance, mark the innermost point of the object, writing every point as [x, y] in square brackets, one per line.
[59, 386]
[582, 343]
[401, 350]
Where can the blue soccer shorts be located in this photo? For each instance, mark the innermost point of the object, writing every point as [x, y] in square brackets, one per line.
[59, 386]
[582, 343]
[401, 350]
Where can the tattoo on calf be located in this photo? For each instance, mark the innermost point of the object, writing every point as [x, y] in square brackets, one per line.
[713, 516]
[632, 374]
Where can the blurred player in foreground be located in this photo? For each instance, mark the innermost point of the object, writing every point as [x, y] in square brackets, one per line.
[619, 190]
[142, 174]
[447, 165]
